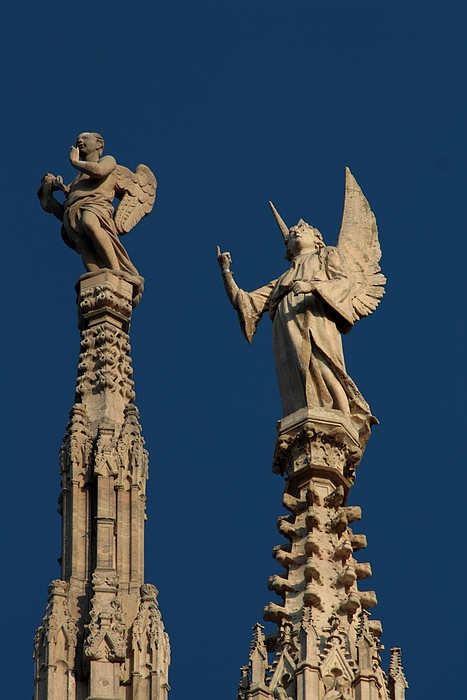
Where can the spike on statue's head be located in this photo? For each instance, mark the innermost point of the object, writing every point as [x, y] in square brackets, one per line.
[309, 236]
[284, 229]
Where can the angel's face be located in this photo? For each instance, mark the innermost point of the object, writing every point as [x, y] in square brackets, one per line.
[87, 144]
[302, 240]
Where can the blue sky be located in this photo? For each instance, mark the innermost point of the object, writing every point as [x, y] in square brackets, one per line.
[233, 104]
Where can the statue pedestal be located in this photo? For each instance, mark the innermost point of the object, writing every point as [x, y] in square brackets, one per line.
[318, 442]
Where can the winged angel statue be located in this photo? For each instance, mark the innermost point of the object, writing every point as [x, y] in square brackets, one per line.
[322, 294]
[90, 225]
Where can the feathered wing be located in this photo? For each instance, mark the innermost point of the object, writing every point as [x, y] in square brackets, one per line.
[137, 194]
[358, 242]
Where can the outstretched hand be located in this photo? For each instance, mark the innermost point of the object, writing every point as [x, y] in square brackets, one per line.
[224, 260]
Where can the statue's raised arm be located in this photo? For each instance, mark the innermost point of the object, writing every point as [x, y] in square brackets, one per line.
[90, 225]
[324, 291]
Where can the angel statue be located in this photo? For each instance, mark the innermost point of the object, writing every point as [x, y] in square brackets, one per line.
[90, 225]
[322, 294]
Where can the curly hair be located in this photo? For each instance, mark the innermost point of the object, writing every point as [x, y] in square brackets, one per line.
[317, 236]
[100, 141]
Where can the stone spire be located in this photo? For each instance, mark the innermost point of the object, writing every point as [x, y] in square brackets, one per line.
[102, 636]
[326, 646]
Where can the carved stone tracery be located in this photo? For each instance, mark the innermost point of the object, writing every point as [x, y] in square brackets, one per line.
[132, 453]
[103, 631]
[316, 441]
[76, 451]
[55, 640]
[150, 642]
[104, 362]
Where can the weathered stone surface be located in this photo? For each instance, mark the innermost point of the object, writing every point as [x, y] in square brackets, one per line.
[318, 440]
[90, 225]
[322, 294]
[102, 636]
[325, 647]
[104, 384]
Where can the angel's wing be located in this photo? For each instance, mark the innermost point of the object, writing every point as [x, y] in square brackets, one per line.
[358, 242]
[137, 194]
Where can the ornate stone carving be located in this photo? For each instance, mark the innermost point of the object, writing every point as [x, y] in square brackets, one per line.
[133, 455]
[76, 451]
[105, 633]
[397, 680]
[244, 683]
[337, 688]
[106, 457]
[58, 616]
[306, 445]
[104, 383]
[55, 644]
[321, 612]
[282, 671]
[104, 363]
[123, 457]
[104, 296]
[258, 658]
[336, 657]
[102, 636]
[280, 692]
[275, 613]
[150, 642]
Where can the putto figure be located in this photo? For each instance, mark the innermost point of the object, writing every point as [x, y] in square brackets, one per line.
[322, 294]
[90, 225]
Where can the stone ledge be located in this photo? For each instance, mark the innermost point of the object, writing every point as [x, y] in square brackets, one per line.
[322, 418]
[319, 442]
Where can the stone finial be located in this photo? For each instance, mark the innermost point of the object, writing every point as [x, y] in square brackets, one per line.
[258, 657]
[397, 680]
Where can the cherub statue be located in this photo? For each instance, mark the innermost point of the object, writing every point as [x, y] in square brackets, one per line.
[322, 294]
[90, 225]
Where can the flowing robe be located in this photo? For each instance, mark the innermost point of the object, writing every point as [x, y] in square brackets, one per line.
[306, 335]
[99, 202]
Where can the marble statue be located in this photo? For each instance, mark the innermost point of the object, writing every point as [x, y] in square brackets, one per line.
[319, 298]
[90, 224]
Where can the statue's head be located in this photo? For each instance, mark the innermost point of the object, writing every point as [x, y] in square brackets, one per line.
[90, 141]
[303, 238]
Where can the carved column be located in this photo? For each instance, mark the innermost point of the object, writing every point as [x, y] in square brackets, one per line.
[102, 635]
[326, 646]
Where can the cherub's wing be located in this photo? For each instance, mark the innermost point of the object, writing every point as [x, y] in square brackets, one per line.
[358, 242]
[137, 194]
